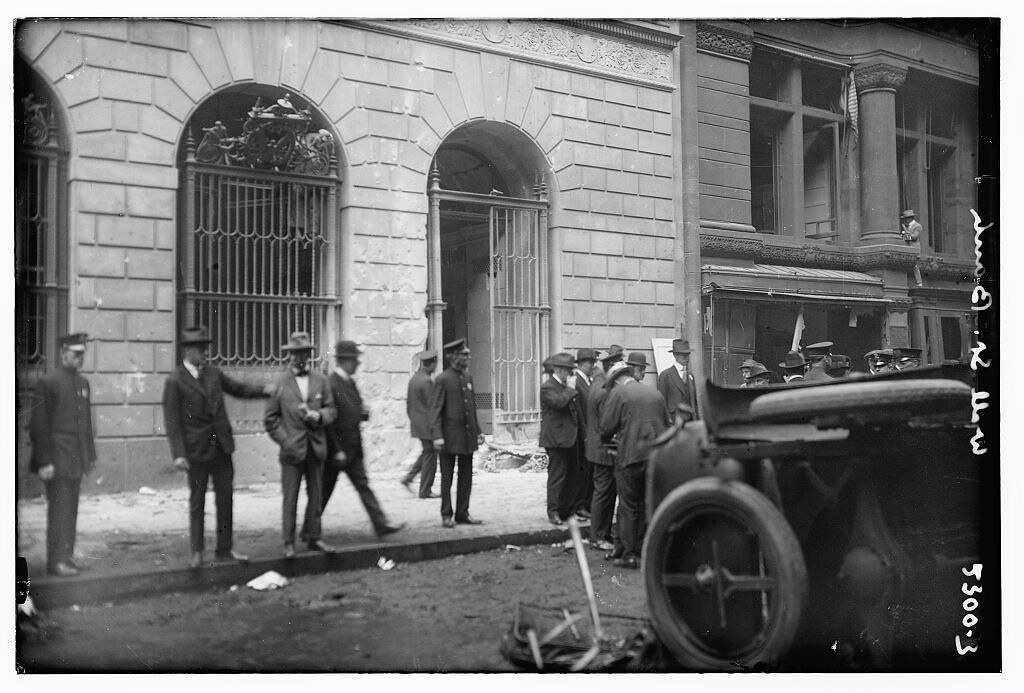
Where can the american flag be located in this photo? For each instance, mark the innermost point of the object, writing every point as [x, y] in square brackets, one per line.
[851, 108]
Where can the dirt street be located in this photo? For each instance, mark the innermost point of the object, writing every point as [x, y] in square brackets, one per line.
[435, 616]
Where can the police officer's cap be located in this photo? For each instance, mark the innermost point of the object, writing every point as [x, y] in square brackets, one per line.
[456, 347]
[426, 355]
[74, 342]
[819, 349]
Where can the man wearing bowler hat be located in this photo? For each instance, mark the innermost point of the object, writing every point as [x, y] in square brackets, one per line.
[455, 432]
[296, 417]
[819, 355]
[345, 440]
[201, 438]
[560, 426]
[417, 407]
[635, 415]
[793, 366]
[676, 383]
[63, 450]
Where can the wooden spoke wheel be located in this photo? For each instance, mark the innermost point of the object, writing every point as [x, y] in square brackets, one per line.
[725, 576]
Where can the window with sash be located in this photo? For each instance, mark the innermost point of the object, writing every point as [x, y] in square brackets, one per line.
[257, 245]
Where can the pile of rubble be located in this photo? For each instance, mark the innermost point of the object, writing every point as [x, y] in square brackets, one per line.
[527, 457]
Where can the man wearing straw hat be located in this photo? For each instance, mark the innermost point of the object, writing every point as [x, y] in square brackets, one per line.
[296, 417]
[201, 438]
[63, 450]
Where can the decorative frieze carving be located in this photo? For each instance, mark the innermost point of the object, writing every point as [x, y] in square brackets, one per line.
[879, 76]
[554, 41]
[716, 39]
[37, 121]
[812, 255]
[274, 137]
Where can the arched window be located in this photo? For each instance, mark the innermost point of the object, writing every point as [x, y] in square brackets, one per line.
[257, 243]
[40, 228]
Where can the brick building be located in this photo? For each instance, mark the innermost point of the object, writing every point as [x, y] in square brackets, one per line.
[531, 185]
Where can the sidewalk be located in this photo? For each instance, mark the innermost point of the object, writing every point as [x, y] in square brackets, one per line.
[139, 541]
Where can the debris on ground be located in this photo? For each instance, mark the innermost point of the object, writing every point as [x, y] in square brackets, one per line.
[270, 580]
[512, 547]
[525, 457]
[385, 563]
[147, 491]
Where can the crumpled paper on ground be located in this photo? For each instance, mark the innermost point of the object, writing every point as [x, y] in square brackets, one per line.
[270, 580]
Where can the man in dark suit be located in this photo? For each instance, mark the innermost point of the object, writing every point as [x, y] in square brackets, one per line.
[676, 384]
[635, 414]
[297, 416]
[345, 440]
[63, 450]
[417, 407]
[820, 357]
[560, 426]
[602, 504]
[793, 366]
[586, 365]
[456, 432]
[201, 439]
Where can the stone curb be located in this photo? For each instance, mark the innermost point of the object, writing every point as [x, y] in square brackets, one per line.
[49, 592]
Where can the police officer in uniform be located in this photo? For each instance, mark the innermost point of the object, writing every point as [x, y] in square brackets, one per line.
[63, 450]
[906, 358]
[820, 357]
[455, 432]
[879, 360]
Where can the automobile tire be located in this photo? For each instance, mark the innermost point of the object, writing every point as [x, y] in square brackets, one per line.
[867, 401]
[725, 576]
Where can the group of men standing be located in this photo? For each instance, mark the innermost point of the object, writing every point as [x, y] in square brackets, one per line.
[598, 421]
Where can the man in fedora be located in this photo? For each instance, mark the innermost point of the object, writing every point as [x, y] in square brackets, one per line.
[296, 417]
[819, 355]
[63, 450]
[456, 432]
[417, 408]
[793, 366]
[635, 415]
[746, 370]
[201, 438]
[676, 383]
[586, 368]
[910, 229]
[602, 504]
[560, 427]
[345, 440]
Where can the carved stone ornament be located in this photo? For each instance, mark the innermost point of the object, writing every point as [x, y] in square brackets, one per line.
[553, 41]
[879, 76]
[809, 255]
[273, 137]
[37, 121]
[715, 39]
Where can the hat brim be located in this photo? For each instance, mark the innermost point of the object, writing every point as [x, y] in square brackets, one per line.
[291, 347]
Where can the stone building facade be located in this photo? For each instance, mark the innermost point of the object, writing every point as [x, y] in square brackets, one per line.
[532, 186]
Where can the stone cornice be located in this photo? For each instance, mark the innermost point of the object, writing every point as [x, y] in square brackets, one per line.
[765, 251]
[717, 39]
[626, 31]
[602, 48]
[879, 76]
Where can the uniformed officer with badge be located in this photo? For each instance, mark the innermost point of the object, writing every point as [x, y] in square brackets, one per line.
[63, 450]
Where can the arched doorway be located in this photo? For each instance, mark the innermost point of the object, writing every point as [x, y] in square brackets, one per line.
[488, 282]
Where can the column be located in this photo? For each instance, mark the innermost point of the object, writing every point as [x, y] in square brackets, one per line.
[879, 185]
[435, 304]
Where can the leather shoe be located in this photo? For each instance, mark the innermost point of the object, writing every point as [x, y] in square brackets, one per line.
[64, 570]
[602, 545]
[554, 519]
[581, 519]
[583, 514]
[405, 485]
[469, 520]
[289, 550]
[614, 554]
[232, 556]
[195, 562]
[390, 529]
[431, 495]
[447, 522]
[625, 562]
[319, 545]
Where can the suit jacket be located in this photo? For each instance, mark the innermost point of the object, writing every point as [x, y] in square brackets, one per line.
[194, 414]
[560, 423]
[595, 451]
[284, 423]
[344, 432]
[453, 413]
[61, 425]
[636, 414]
[417, 404]
[675, 391]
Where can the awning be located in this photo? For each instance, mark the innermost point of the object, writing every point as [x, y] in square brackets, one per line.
[770, 282]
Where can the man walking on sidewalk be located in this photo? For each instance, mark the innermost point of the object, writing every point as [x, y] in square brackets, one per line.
[345, 440]
[456, 432]
[63, 450]
[297, 417]
[201, 439]
[417, 406]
